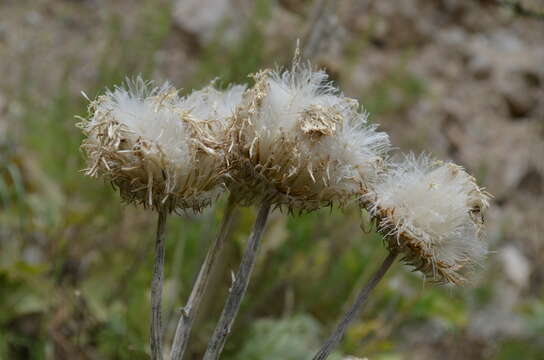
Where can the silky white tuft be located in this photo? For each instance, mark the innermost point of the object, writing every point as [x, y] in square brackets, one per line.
[432, 212]
[301, 143]
[211, 103]
[153, 146]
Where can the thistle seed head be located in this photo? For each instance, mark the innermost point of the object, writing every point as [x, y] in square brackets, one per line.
[299, 142]
[159, 149]
[432, 212]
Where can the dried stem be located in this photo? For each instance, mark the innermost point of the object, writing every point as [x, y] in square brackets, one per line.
[156, 288]
[319, 21]
[239, 287]
[337, 334]
[189, 312]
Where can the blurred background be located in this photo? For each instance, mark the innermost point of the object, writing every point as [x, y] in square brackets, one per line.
[461, 79]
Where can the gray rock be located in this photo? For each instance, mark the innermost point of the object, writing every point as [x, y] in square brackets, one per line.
[206, 19]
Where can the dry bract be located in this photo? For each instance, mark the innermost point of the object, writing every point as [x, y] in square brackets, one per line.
[154, 146]
[298, 142]
[433, 213]
[217, 108]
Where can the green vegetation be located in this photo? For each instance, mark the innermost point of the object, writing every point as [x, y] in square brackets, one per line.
[233, 64]
[396, 91]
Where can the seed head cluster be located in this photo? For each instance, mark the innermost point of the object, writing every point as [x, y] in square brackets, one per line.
[293, 139]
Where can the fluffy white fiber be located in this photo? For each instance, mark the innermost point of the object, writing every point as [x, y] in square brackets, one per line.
[158, 148]
[306, 142]
[215, 105]
[148, 113]
[432, 211]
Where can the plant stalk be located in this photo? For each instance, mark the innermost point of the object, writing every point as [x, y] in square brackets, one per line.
[319, 21]
[156, 288]
[189, 312]
[355, 309]
[239, 287]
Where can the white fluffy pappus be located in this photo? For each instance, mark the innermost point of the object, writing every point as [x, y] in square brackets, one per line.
[211, 103]
[302, 143]
[215, 109]
[432, 212]
[150, 144]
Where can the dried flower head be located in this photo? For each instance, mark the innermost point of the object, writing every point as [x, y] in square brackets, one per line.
[432, 212]
[217, 109]
[157, 148]
[298, 142]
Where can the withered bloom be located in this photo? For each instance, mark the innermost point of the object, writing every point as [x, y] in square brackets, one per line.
[431, 212]
[297, 141]
[159, 149]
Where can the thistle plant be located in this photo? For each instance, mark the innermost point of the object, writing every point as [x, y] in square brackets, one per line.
[150, 144]
[291, 141]
[296, 142]
[430, 212]
[217, 108]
